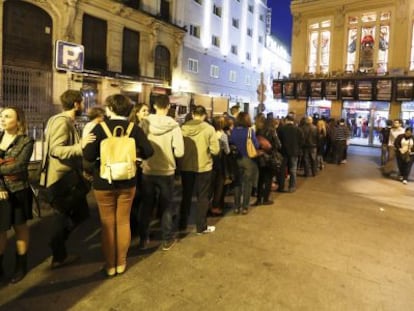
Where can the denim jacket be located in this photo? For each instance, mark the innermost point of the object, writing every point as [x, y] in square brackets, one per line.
[14, 164]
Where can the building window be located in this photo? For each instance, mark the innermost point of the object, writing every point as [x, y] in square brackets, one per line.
[249, 32]
[235, 22]
[215, 41]
[259, 61]
[234, 49]
[319, 34]
[94, 34]
[251, 8]
[214, 71]
[368, 36]
[247, 80]
[130, 52]
[260, 39]
[261, 17]
[248, 56]
[200, 2]
[195, 31]
[217, 10]
[232, 76]
[162, 63]
[412, 49]
[193, 65]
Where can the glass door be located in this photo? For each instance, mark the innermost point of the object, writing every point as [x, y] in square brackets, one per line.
[365, 119]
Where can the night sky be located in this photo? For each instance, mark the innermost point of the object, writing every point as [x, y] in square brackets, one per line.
[281, 20]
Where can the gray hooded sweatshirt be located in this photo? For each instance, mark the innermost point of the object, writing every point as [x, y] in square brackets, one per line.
[166, 139]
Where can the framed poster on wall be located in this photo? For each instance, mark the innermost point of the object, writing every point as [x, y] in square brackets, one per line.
[348, 89]
[331, 90]
[316, 90]
[289, 89]
[277, 89]
[365, 90]
[383, 89]
[302, 90]
[404, 89]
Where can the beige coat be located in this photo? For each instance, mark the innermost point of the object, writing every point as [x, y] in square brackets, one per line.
[62, 148]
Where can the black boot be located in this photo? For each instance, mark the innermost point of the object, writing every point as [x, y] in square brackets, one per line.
[20, 270]
[2, 275]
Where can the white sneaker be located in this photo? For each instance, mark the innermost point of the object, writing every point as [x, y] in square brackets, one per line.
[404, 182]
[209, 229]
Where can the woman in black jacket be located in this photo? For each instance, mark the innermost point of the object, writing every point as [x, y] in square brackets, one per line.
[115, 197]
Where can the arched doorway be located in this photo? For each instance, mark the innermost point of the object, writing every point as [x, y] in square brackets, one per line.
[27, 59]
[162, 64]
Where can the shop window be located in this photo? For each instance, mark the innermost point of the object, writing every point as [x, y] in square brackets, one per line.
[368, 37]
[94, 33]
[319, 46]
[130, 52]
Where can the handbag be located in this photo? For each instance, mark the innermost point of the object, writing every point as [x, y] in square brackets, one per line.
[251, 149]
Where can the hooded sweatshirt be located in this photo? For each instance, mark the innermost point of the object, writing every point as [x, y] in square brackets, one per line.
[166, 139]
[201, 143]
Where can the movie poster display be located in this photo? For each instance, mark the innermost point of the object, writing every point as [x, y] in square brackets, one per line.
[277, 89]
[365, 88]
[301, 90]
[384, 89]
[404, 89]
[348, 89]
[316, 90]
[331, 90]
[289, 89]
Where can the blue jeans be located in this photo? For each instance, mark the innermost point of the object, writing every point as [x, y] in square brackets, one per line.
[309, 161]
[248, 179]
[291, 164]
[164, 187]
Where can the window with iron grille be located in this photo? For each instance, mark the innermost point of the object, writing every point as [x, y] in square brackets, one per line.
[162, 63]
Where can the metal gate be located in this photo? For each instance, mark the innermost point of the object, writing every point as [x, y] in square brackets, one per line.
[30, 90]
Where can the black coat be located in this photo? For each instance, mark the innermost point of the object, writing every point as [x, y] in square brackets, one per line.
[291, 138]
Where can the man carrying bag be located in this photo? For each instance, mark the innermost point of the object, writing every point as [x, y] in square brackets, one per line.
[61, 175]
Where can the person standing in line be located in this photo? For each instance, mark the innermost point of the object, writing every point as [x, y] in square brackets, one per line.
[390, 167]
[200, 145]
[95, 115]
[404, 146]
[310, 143]
[291, 138]
[115, 199]
[137, 115]
[341, 136]
[63, 155]
[248, 171]
[384, 137]
[166, 138]
[322, 135]
[15, 194]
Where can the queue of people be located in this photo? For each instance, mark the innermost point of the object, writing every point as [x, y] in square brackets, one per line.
[212, 160]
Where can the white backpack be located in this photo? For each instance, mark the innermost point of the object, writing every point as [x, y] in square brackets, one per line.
[118, 154]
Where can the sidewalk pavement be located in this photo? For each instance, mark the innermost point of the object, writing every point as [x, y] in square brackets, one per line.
[342, 241]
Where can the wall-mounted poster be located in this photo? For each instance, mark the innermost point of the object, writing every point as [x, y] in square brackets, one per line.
[331, 90]
[365, 89]
[289, 89]
[277, 89]
[404, 89]
[301, 89]
[384, 89]
[348, 89]
[316, 89]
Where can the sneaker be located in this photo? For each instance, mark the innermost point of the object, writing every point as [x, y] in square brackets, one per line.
[404, 182]
[343, 161]
[209, 229]
[167, 245]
